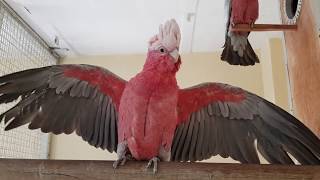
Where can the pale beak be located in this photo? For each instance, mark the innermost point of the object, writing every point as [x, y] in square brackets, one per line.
[175, 55]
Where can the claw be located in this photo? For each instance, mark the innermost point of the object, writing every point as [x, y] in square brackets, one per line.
[122, 161]
[252, 25]
[123, 156]
[118, 162]
[154, 161]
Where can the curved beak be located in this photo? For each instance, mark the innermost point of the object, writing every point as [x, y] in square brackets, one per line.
[175, 54]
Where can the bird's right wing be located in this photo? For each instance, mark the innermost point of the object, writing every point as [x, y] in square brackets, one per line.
[64, 99]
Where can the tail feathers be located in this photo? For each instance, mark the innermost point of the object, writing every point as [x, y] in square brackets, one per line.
[232, 56]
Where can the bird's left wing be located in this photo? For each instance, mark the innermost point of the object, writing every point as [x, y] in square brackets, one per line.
[221, 119]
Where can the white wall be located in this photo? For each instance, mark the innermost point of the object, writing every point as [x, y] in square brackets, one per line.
[316, 10]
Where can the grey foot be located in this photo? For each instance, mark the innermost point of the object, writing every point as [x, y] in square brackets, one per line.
[122, 161]
[154, 161]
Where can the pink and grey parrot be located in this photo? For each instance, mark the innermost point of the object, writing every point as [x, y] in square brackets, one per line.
[237, 49]
[150, 117]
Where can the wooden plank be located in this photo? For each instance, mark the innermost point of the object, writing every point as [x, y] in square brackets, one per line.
[303, 54]
[264, 27]
[69, 170]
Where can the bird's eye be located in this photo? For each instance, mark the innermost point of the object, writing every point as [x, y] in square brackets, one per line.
[162, 50]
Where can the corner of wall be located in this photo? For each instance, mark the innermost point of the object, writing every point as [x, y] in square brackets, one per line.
[267, 75]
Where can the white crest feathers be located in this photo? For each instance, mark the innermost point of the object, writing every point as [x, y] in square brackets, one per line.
[169, 36]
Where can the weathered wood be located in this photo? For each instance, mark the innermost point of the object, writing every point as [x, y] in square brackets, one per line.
[264, 27]
[68, 170]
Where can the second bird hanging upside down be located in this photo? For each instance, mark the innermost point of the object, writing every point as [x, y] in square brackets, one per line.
[237, 48]
[150, 117]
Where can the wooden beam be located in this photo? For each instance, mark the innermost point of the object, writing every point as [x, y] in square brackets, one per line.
[69, 170]
[264, 27]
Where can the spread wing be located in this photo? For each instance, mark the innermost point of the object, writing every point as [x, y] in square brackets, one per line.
[225, 120]
[64, 99]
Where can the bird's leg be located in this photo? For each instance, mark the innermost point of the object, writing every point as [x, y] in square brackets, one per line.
[164, 154]
[123, 156]
[154, 161]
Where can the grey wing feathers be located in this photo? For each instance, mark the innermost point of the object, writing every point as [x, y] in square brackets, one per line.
[231, 129]
[59, 104]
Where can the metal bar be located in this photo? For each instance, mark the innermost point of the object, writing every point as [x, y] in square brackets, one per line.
[134, 170]
[264, 27]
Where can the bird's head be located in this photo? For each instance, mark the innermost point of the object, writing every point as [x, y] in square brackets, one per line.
[163, 52]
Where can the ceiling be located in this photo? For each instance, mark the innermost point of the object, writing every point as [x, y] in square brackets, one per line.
[97, 27]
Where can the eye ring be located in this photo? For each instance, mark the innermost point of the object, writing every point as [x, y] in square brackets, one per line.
[162, 50]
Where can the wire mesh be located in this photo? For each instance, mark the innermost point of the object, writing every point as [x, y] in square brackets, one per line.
[21, 49]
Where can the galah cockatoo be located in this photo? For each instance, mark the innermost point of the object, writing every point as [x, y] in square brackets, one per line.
[150, 117]
[237, 49]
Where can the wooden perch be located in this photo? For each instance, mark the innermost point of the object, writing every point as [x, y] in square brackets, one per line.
[264, 27]
[70, 170]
